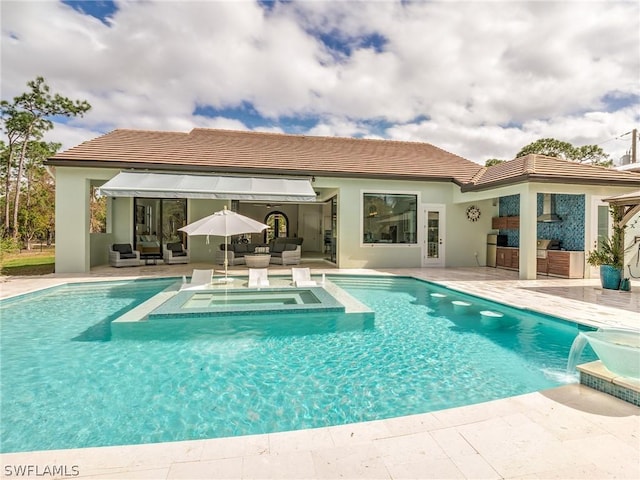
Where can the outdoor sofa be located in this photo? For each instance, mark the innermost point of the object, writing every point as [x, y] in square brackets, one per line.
[283, 251]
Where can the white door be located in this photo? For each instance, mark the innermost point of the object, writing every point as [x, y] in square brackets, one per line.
[600, 228]
[433, 236]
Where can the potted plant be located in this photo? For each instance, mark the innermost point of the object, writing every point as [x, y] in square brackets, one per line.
[609, 255]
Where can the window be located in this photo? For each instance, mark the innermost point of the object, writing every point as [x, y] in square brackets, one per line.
[389, 218]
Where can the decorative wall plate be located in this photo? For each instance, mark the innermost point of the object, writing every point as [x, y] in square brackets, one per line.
[473, 213]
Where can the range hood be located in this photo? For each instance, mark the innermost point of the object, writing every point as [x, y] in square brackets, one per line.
[549, 209]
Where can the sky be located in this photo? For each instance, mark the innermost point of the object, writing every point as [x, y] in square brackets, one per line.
[480, 79]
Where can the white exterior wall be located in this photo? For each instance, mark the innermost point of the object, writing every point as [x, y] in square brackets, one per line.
[77, 250]
[73, 241]
[462, 238]
[632, 248]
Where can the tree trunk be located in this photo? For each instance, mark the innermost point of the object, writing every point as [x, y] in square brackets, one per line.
[7, 191]
[16, 203]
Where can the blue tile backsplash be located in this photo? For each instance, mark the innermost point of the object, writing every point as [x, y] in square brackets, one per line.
[570, 231]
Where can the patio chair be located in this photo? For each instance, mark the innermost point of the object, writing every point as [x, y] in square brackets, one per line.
[199, 279]
[302, 277]
[122, 255]
[174, 253]
[258, 277]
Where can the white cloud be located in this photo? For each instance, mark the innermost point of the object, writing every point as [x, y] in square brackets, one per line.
[480, 79]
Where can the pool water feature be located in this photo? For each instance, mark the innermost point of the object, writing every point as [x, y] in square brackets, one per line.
[67, 383]
[618, 349]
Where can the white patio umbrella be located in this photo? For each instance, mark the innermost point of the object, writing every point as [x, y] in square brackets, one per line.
[223, 223]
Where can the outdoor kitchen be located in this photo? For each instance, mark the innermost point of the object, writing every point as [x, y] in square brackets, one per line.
[560, 233]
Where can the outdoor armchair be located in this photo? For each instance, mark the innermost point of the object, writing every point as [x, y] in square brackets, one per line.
[122, 255]
[286, 254]
[175, 253]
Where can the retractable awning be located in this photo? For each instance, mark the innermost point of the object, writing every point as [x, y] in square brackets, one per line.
[168, 185]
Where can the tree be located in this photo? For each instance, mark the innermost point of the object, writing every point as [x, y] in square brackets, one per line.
[37, 212]
[493, 161]
[98, 210]
[25, 120]
[556, 148]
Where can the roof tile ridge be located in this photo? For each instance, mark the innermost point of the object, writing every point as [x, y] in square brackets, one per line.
[478, 175]
[529, 165]
[146, 130]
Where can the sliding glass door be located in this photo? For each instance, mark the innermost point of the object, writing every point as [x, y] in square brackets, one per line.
[157, 221]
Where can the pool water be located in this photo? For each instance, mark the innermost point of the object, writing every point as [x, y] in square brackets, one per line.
[66, 383]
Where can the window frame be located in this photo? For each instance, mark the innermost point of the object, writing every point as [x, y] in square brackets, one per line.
[385, 193]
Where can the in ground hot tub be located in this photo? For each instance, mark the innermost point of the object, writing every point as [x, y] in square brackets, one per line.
[193, 303]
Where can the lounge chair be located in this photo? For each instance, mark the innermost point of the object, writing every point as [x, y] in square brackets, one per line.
[302, 277]
[122, 255]
[199, 279]
[258, 277]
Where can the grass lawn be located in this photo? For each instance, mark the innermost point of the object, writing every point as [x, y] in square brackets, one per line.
[34, 262]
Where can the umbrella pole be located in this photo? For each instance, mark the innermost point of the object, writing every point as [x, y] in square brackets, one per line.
[226, 260]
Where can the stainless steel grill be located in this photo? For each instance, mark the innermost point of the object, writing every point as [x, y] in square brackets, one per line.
[545, 244]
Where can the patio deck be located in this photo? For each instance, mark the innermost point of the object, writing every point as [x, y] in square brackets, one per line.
[567, 432]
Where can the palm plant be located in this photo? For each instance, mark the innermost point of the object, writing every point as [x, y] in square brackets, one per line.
[611, 249]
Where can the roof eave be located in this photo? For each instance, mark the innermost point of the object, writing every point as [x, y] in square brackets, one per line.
[469, 187]
[58, 162]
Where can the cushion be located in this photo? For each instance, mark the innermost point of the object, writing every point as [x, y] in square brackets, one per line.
[123, 248]
[278, 247]
[240, 248]
[289, 247]
[175, 247]
[179, 254]
[124, 256]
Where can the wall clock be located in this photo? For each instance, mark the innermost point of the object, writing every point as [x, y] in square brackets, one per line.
[473, 213]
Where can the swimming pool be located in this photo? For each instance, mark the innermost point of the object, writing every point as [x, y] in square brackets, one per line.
[67, 383]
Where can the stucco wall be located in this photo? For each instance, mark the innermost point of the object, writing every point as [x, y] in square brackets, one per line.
[632, 248]
[73, 245]
[462, 238]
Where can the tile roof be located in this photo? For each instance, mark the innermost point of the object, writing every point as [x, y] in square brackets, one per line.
[541, 168]
[228, 151]
[243, 152]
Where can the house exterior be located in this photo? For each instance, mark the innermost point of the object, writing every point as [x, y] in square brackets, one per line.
[363, 203]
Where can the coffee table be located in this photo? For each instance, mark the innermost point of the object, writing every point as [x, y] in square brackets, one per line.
[150, 258]
[257, 260]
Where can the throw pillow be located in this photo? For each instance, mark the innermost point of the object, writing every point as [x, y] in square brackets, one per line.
[124, 248]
